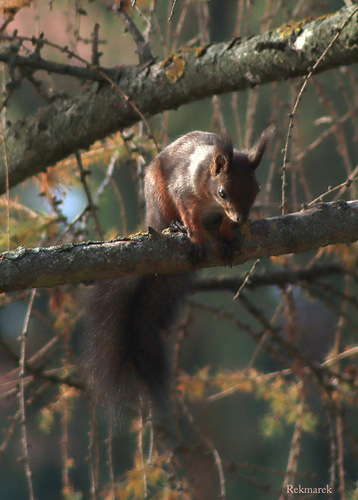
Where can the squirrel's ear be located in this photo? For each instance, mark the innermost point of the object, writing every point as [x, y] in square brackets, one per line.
[256, 153]
[222, 155]
[219, 164]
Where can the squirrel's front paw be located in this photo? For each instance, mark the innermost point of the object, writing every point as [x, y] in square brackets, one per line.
[177, 227]
[228, 248]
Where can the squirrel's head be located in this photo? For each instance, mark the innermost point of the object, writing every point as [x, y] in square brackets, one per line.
[233, 181]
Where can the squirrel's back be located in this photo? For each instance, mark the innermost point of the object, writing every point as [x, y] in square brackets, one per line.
[176, 174]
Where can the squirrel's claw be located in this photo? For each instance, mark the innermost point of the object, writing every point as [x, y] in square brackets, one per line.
[177, 227]
[228, 248]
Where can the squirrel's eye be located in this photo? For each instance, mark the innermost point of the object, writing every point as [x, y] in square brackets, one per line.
[221, 192]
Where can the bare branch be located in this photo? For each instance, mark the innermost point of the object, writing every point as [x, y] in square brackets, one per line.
[38, 63]
[279, 277]
[143, 46]
[152, 252]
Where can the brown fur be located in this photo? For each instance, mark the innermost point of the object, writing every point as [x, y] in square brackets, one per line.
[124, 356]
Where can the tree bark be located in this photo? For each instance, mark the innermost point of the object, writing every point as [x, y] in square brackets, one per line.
[323, 225]
[35, 143]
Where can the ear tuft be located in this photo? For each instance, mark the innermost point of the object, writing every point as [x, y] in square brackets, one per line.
[256, 153]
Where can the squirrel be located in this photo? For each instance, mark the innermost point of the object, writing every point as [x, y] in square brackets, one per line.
[124, 358]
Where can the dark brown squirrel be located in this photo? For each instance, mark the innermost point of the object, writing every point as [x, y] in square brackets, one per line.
[124, 357]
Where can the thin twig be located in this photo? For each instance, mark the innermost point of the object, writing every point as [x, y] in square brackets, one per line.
[345, 185]
[96, 54]
[248, 276]
[294, 449]
[143, 46]
[7, 187]
[22, 363]
[172, 10]
[91, 206]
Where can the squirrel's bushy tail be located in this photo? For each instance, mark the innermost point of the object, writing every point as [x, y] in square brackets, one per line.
[124, 356]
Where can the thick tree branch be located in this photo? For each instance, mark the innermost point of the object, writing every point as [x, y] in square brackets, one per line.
[34, 143]
[323, 225]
